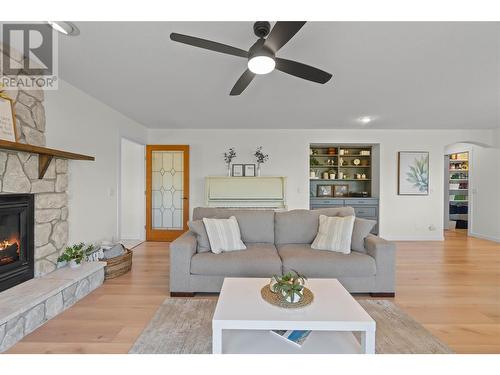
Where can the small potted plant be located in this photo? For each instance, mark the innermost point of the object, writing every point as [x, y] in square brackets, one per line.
[228, 158]
[260, 158]
[290, 286]
[73, 255]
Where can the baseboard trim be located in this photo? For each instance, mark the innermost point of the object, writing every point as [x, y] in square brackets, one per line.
[383, 294]
[181, 294]
[413, 238]
[484, 237]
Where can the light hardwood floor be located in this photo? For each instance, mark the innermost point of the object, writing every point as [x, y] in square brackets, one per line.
[451, 287]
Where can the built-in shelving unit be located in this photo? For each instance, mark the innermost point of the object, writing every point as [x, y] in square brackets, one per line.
[459, 189]
[342, 165]
[346, 171]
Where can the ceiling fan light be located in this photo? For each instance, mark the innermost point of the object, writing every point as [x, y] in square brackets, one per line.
[64, 27]
[261, 64]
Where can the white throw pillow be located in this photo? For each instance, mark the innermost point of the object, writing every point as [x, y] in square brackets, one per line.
[334, 234]
[223, 234]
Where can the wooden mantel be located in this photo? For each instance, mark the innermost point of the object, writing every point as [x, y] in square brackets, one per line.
[45, 154]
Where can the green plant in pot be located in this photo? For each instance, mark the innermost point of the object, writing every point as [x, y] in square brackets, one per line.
[74, 255]
[290, 286]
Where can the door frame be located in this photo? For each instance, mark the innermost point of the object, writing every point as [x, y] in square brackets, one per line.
[170, 235]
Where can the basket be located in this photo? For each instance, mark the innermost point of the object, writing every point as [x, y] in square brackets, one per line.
[118, 266]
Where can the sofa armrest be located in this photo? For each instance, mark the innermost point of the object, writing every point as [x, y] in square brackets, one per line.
[384, 253]
[181, 252]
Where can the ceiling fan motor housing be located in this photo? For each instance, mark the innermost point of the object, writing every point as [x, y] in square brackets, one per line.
[261, 28]
[258, 49]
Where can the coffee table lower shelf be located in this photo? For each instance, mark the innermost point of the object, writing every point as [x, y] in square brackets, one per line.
[266, 342]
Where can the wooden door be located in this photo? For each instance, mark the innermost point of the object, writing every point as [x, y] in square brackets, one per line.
[167, 191]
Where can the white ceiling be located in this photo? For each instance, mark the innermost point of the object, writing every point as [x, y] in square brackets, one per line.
[405, 75]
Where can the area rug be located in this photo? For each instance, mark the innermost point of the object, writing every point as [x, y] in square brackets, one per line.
[184, 326]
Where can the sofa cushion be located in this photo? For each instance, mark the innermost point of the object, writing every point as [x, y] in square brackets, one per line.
[325, 264]
[334, 234]
[198, 228]
[223, 234]
[301, 226]
[255, 225]
[258, 260]
[361, 230]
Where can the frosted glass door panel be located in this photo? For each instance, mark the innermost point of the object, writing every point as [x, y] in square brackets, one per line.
[167, 190]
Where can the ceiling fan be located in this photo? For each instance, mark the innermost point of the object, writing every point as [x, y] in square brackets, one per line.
[262, 54]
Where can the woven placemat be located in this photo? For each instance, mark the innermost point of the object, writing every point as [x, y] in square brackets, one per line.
[276, 300]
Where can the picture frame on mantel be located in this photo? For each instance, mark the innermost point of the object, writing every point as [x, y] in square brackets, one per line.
[8, 130]
[249, 170]
[237, 170]
[413, 173]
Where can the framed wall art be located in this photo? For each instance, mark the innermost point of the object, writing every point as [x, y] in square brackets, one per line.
[413, 173]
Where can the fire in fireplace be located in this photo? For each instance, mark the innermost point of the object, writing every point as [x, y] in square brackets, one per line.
[16, 239]
[9, 251]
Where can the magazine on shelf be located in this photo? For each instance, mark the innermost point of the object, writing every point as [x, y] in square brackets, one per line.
[295, 337]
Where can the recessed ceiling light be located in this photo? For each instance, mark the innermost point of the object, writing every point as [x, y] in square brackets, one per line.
[64, 27]
[365, 120]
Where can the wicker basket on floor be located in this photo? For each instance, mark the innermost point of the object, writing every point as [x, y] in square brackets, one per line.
[118, 266]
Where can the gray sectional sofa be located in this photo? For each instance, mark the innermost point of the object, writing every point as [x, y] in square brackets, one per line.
[276, 243]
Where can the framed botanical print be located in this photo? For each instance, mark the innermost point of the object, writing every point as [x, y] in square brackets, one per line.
[413, 173]
[324, 191]
[341, 190]
[237, 170]
[7, 120]
[249, 170]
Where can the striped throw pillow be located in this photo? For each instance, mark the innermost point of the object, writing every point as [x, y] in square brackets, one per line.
[223, 234]
[334, 234]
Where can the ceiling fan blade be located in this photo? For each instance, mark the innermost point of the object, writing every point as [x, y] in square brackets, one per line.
[302, 71]
[242, 82]
[281, 33]
[208, 44]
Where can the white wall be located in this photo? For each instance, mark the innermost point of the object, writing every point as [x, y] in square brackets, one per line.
[484, 186]
[401, 217]
[79, 123]
[132, 176]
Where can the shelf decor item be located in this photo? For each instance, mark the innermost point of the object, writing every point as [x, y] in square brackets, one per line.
[7, 119]
[260, 158]
[238, 170]
[341, 190]
[356, 161]
[413, 173]
[324, 191]
[228, 158]
[249, 170]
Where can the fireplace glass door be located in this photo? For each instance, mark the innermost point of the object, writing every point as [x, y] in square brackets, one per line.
[16, 239]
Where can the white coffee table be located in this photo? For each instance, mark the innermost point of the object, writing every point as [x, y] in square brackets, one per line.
[243, 320]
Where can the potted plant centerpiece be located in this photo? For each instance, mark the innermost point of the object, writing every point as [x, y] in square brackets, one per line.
[290, 286]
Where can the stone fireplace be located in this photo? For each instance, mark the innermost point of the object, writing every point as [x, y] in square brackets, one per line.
[19, 174]
[16, 239]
